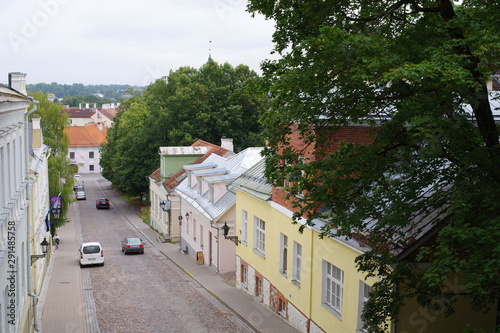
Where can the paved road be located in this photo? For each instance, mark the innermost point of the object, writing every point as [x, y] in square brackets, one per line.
[140, 292]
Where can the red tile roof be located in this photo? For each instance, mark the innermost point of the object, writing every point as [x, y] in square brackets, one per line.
[85, 136]
[79, 113]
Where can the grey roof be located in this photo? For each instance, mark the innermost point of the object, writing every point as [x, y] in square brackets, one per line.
[254, 183]
[226, 170]
[185, 150]
[199, 166]
[208, 172]
[220, 179]
[10, 95]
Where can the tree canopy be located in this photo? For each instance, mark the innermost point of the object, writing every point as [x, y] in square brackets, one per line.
[61, 174]
[189, 104]
[417, 71]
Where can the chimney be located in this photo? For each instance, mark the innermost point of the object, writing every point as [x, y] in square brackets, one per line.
[226, 143]
[17, 81]
[80, 106]
[95, 105]
[99, 126]
[86, 105]
[37, 140]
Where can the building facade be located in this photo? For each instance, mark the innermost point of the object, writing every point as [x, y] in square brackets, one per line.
[19, 215]
[207, 203]
[85, 147]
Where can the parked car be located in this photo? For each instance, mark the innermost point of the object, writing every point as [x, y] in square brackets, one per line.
[91, 253]
[102, 203]
[78, 188]
[132, 245]
[80, 195]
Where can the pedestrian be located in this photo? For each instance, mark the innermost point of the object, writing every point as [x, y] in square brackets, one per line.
[56, 240]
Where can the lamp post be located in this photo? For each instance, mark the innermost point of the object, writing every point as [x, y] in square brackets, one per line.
[164, 205]
[225, 231]
[45, 245]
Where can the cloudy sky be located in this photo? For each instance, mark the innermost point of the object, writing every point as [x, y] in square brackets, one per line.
[126, 41]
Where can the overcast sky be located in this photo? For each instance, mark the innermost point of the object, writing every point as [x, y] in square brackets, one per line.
[126, 41]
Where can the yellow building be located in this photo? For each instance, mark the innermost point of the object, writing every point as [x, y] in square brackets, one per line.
[313, 283]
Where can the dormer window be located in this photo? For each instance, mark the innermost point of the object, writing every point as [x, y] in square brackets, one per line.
[211, 193]
[200, 185]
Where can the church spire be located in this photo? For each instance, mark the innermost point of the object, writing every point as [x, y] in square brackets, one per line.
[209, 49]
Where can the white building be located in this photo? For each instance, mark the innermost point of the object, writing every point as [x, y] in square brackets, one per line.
[85, 146]
[207, 204]
[17, 306]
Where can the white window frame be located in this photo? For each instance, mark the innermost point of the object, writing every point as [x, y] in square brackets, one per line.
[297, 262]
[283, 254]
[364, 290]
[244, 226]
[333, 288]
[282, 308]
[258, 287]
[259, 238]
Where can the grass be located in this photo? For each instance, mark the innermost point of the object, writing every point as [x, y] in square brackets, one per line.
[141, 207]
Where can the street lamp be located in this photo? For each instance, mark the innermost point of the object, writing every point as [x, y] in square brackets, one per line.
[164, 205]
[45, 245]
[187, 216]
[225, 231]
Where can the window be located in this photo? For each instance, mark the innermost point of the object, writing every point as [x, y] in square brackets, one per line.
[297, 261]
[72, 155]
[91, 154]
[364, 294]
[258, 287]
[333, 285]
[282, 308]
[260, 235]
[283, 253]
[244, 275]
[244, 226]
[91, 167]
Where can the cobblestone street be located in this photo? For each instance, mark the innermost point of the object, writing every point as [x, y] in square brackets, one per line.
[143, 292]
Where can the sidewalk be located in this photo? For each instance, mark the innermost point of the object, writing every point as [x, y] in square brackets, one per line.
[64, 310]
[253, 313]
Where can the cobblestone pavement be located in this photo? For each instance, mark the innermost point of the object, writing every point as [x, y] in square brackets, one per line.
[143, 292]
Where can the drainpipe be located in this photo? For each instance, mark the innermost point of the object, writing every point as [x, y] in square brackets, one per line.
[311, 280]
[211, 224]
[28, 192]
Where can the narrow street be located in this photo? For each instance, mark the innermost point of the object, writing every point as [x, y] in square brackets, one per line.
[139, 292]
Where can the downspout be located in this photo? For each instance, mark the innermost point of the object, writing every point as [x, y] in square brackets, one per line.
[211, 224]
[311, 281]
[28, 195]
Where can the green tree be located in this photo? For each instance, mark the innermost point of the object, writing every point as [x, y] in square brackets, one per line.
[60, 172]
[187, 105]
[417, 70]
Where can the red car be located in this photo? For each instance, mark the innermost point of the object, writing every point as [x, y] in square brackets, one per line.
[102, 203]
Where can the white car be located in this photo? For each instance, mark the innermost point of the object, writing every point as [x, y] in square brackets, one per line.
[80, 195]
[91, 254]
